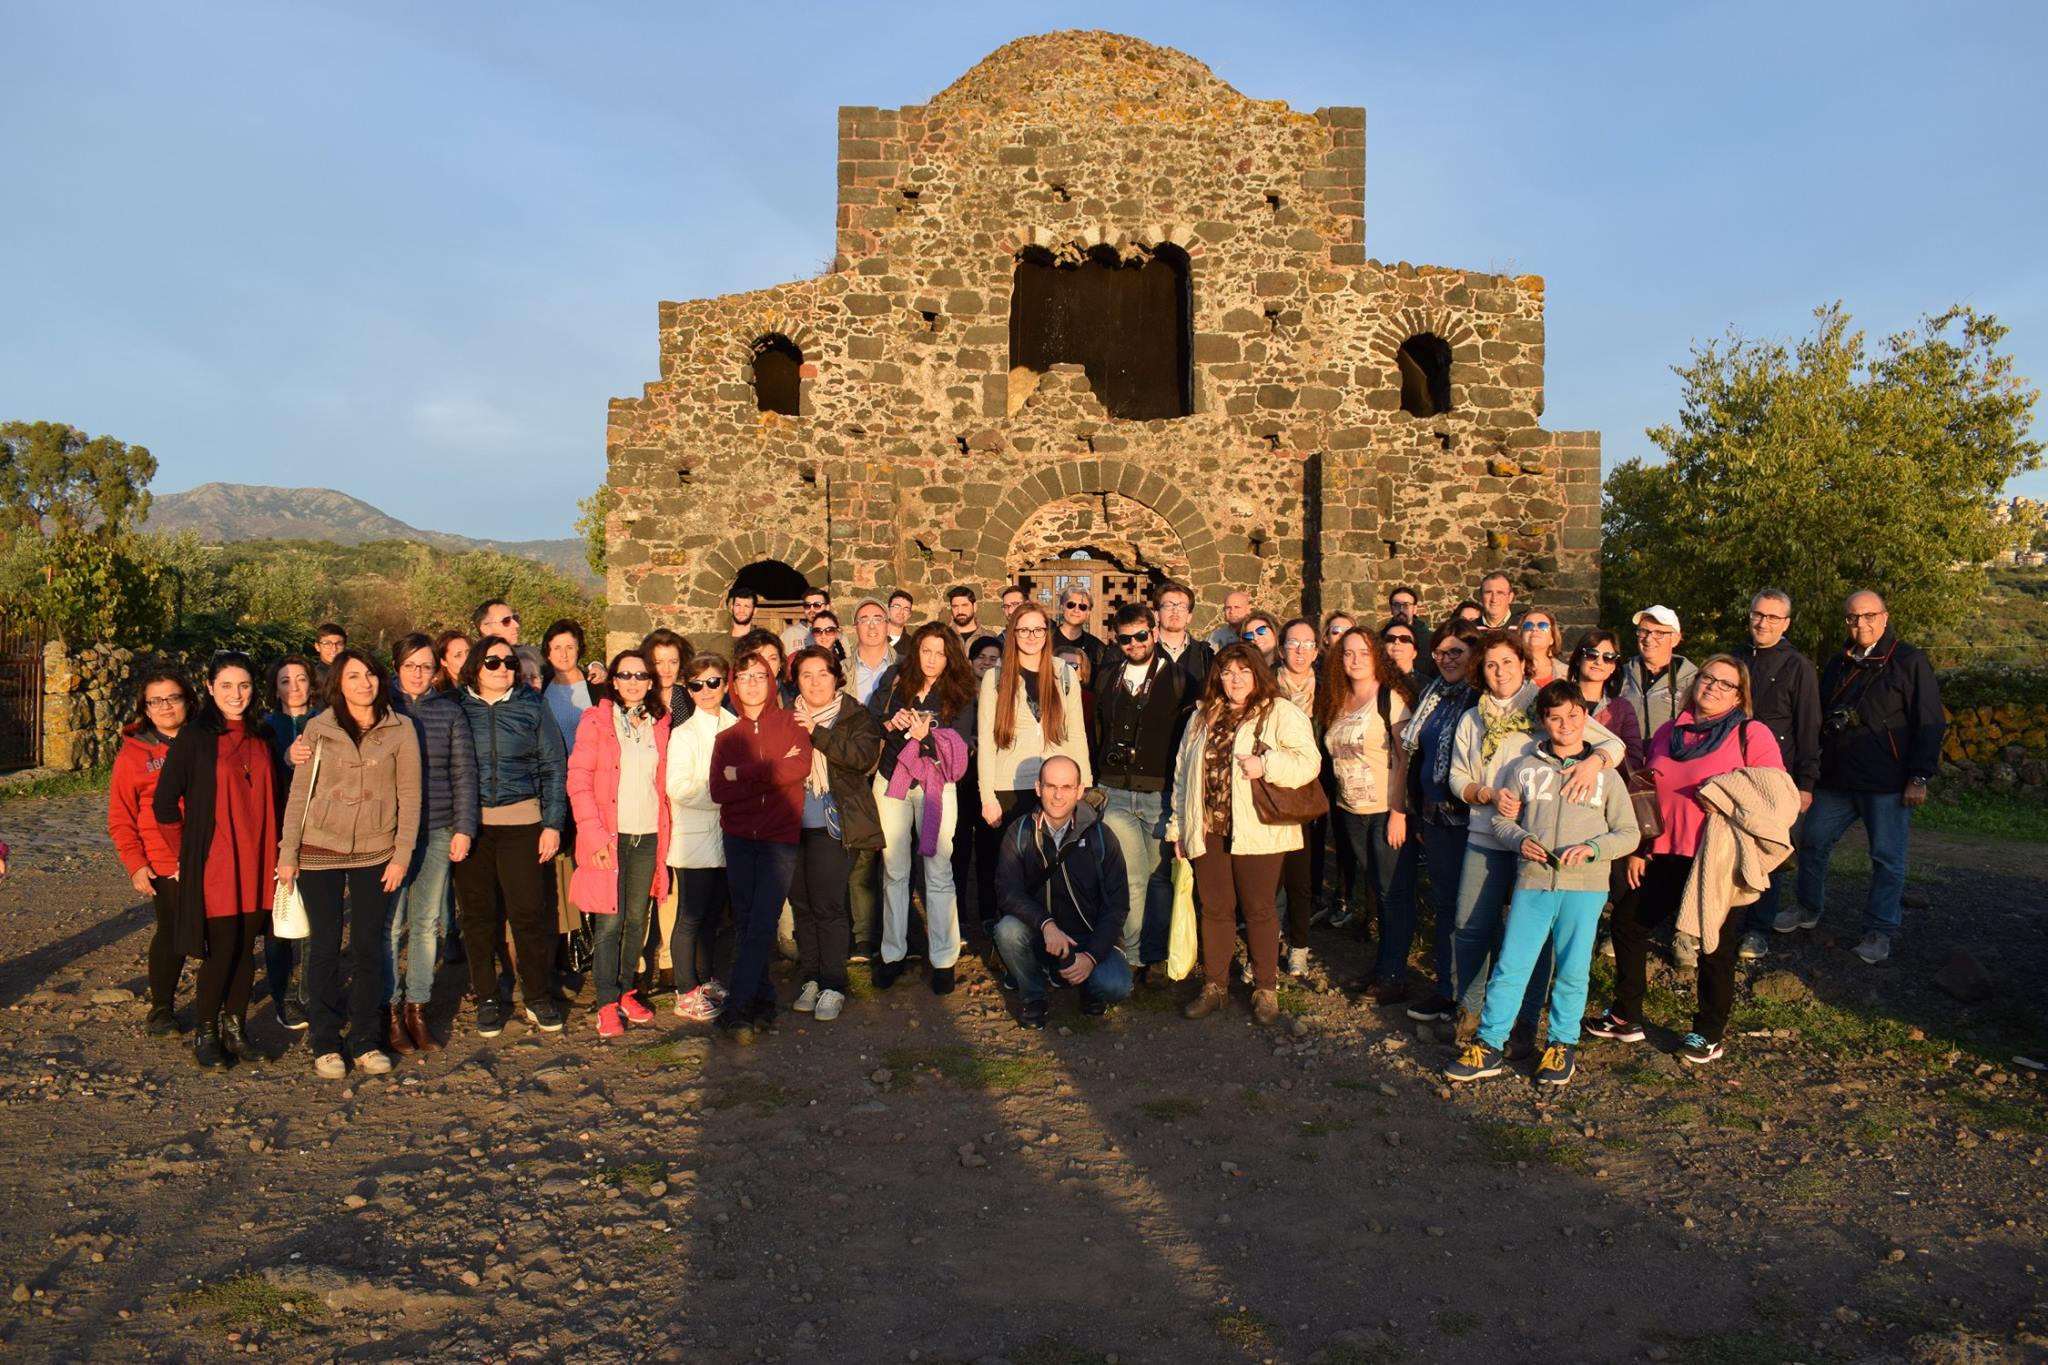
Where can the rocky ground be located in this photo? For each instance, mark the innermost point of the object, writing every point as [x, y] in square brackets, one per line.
[1861, 1178]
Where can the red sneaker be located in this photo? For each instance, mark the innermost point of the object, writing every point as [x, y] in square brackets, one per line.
[609, 1024]
[635, 1009]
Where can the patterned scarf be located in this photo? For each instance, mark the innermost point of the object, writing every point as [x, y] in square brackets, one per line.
[819, 783]
[1218, 766]
[1502, 718]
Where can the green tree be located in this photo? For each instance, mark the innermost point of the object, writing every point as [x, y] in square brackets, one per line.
[55, 479]
[591, 515]
[1823, 467]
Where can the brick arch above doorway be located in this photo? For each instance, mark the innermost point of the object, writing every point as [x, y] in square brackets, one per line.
[1084, 478]
[722, 563]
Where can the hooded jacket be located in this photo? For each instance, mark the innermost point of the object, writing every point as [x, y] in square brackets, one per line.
[1087, 895]
[138, 838]
[1604, 822]
[764, 799]
[364, 803]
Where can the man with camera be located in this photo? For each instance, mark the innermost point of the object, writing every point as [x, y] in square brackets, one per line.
[1880, 741]
[1785, 696]
[1141, 702]
[1060, 884]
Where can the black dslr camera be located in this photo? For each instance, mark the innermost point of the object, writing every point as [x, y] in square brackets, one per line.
[1840, 721]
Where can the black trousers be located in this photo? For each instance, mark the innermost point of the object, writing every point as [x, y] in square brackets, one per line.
[988, 842]
[817, 902]
[165, 961]
[504, 868]
[368, 915]
[229, 971]
[695, 940]
[1643, 909]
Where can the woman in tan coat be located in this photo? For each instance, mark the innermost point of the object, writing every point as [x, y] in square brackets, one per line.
[1241, 732]
[352, 820]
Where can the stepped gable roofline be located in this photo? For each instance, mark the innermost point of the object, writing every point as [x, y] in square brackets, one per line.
[1090, 67]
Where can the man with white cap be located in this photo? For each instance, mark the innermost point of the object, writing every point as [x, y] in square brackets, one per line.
[1658, 680]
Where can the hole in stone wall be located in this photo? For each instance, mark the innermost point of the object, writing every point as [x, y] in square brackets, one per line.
[1262, 548]
[1272, 440]
[1273, 317]
[1060, 193]
[931, 321]
[778, 375]
[1393, 549]
[960, 442]
[1425, 364]
[1446, 440]
[683, 477]
[808, 474]
[1127, 321]
[771, 580]
[1273, 202]
[909, 196]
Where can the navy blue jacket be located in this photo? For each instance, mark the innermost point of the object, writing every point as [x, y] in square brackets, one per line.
[1897, 703]
[1087, 896]
[519, 755]
[447, 759]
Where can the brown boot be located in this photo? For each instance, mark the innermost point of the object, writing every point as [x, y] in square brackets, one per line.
[1266, 1007]
[1467, 1027]
[394, 1033]
[1211, 999]
[423, 1038]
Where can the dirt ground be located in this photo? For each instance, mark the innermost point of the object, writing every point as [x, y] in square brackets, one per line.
[1861, 1179]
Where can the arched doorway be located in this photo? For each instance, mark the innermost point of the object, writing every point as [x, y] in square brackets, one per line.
[778, 591]
[1108, 584]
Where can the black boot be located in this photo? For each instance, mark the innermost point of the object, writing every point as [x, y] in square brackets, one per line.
[232, 1040]
[206, 1049]
[160, 1022]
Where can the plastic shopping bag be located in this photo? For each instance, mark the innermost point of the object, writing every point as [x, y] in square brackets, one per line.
[1183, 940]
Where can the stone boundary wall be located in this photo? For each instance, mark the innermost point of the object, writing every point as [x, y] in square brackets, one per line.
[88, 695]
[2002, 748]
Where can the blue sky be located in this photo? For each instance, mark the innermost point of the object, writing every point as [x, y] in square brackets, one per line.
[409, 250]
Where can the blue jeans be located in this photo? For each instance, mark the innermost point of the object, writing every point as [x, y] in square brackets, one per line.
[1443, 853]
[1565, 923]
[1484, 885]
[1023, 950]
[617, 939]
[757, 874]
[1391, 874]
[414, 934]
[1887, 822]
[1148, 862]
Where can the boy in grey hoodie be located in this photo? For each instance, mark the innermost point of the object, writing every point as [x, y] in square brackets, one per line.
[1566, 850]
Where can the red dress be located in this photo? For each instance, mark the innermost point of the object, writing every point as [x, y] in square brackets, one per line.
[241, 862]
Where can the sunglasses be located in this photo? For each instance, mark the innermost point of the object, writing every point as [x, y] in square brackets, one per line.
[1257, 632]
[825, 630]
[510, 618]
[1397, 639]
[702, 684]
[629, 675]
[1605, 656]
[1543, 626]
[1301, 644]
[1136, 637]
[493, 662]
[1075, 606]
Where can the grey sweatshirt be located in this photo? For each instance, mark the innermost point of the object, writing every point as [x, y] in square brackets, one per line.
[1607, 822]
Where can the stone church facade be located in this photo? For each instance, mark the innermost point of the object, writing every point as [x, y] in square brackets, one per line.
[1094, 316]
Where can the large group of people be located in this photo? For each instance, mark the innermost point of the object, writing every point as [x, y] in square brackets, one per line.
[650, 823]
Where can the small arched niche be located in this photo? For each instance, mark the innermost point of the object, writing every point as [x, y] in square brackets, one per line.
[1425, 364]
[771, 580]
[778, 375]
[1125, 316]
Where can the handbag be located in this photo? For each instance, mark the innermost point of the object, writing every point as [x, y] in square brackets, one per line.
[287, 906]
[1642, 794]
[1279, 805]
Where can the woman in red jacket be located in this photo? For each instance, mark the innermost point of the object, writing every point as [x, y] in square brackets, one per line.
[758, 767]
[163, 703]
[618, 775]
[217, 788]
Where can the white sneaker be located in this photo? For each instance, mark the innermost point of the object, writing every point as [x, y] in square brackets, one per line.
[1875, 947]
[1607, 946]
[373, 1063]
[1754, 946]
[329, 1066]
[829, 1005]
[1297, 962]
[807, 998]
[1685, 952]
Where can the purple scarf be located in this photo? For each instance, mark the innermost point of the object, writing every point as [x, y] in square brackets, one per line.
[934, 775]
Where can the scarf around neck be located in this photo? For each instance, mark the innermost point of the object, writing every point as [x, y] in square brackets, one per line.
[1696, 739]
[1503, 718]
[819, 783]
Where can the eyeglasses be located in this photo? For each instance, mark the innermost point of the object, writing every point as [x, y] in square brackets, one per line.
[510, 618]
[702, 684]
[816, 606]
[493, 662]
[163, 703]
[1542, 627]
[825, 630]
[1605, 656]
[1857, 618]
[1769, 616]
[1136, 637]
[1299, 644]
[1028, 630]
[1715, 682]
[1449, 652]
[1257, 632]
[630, 676]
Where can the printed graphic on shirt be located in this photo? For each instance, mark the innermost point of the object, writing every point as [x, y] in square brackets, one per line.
[1541, 784]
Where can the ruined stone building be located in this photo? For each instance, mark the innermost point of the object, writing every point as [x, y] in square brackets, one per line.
[1094, 316]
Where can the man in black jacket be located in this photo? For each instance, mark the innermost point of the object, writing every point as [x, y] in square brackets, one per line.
[1142, 700]
[1785, 693]
[1881, 728]
[1061, 885]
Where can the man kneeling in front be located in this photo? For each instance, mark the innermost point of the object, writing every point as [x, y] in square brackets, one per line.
[1061, 884]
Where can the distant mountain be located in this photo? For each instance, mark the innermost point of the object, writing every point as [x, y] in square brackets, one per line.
[222, 512]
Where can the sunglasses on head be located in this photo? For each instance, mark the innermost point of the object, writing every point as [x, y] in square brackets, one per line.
[1136, 637]
[494, 662]
[629, 675]
[1605, 656]
[706, 684]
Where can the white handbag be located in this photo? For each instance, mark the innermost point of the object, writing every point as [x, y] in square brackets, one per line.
[287, 906]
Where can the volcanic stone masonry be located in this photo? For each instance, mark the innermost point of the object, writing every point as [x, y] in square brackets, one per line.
[1090, 301]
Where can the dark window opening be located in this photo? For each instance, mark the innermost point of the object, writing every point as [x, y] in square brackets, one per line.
[1273, 203]
[683, 477]
[1129, 323]
[778, 375]
[771, 580]
[1425, 364]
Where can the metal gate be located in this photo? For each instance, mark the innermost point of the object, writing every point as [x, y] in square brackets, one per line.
[21, 694]
[1108, 586]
